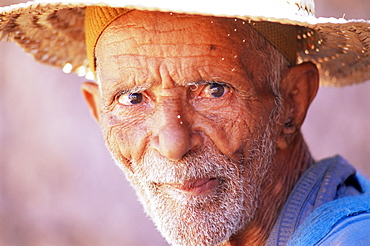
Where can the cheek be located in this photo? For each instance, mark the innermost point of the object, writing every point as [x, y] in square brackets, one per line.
[126, 137]
[241, 128]
[236, 127]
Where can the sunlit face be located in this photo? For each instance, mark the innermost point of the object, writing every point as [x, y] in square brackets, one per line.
[187, 119]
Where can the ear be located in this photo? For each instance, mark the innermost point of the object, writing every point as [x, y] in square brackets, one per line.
[91, 94]
[299, 87]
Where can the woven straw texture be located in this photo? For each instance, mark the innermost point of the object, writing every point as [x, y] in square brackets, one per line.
[55, 35]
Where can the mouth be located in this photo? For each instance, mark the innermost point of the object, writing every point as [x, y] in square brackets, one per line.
[198, 186]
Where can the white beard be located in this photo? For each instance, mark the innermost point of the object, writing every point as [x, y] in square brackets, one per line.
[206, 219]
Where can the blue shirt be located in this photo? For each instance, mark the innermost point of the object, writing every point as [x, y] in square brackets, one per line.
[330, 205]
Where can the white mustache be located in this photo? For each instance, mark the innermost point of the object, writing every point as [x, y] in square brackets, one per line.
[203, 164]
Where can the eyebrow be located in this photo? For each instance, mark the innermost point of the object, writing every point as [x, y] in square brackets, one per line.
[135, 89]
[203, 82]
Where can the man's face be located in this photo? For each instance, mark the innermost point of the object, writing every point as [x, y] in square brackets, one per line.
[185, 115]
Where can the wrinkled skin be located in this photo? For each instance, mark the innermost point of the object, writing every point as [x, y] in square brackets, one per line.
[185, 114]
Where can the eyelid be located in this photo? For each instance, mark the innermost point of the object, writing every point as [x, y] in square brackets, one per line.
[198, 90]
[120, 93]
[135, 89]
[207, 83]
[200, 83]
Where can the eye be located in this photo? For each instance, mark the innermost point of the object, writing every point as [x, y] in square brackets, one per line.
[214, 90]
[130, 98]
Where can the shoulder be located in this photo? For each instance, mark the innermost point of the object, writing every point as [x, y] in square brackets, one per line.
[354, 230]
[337, 221]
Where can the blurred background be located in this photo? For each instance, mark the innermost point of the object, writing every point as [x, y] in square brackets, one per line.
[58, 184]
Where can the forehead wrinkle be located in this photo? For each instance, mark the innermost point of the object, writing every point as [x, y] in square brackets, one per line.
[157, 22]
[157, 25]
[123, 80]
[146, 34]
[167, 50]
[118, 43]
[181, 71]
[217, 37]
[136, 32]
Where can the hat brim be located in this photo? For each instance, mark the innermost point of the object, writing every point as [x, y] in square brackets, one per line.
[53, 32]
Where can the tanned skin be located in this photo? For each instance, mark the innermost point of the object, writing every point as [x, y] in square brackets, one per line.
[165, 53]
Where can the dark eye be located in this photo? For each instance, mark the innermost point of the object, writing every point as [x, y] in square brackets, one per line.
[130, 98]
[214, 90]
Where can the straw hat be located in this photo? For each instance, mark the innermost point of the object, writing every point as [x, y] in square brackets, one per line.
[53, 31]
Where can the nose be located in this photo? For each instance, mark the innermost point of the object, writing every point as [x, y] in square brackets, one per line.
[174, 137]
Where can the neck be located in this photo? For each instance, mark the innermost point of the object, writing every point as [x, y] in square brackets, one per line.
[288, 167]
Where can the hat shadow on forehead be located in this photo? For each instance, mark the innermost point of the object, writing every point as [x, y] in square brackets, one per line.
[54, 33]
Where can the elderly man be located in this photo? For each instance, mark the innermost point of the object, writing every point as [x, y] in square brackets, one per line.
[203, 113]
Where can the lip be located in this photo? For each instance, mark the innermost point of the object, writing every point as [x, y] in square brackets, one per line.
[198, 186]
